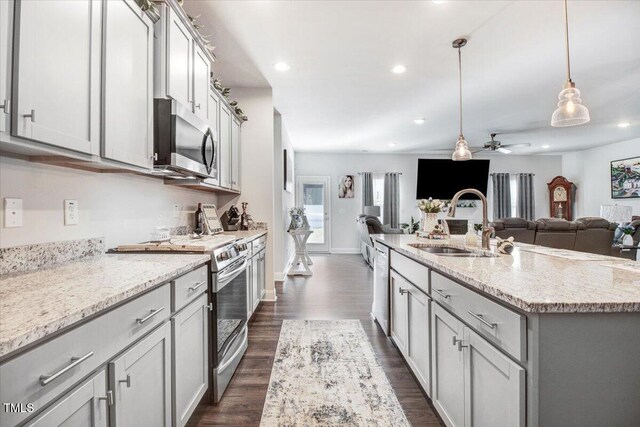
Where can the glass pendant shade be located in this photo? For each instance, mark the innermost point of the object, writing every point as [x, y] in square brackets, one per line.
[461, 153]
[570, 111]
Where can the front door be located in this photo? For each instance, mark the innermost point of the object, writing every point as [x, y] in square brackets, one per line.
[314, 194]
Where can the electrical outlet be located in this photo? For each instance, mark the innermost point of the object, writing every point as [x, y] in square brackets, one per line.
[176, 211]
[70, 212]
[12, 212]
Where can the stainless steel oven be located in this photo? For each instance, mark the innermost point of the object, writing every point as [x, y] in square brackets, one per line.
[229, 325]
[184, 142]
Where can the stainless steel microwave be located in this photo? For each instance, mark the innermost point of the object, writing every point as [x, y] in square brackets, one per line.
[182, 141]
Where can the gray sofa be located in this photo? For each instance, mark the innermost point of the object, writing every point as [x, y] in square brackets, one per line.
[368, 225]
[594, 235]
[522, 230]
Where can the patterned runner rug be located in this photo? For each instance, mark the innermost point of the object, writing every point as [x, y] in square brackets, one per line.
[325, 373]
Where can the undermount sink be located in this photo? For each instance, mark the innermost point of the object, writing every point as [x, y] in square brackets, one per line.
[446, 250]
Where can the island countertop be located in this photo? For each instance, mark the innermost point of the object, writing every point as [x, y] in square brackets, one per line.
[536, 279]
[37, 303]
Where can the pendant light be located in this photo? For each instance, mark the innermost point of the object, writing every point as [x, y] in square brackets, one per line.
[461, 152]
[570, 111]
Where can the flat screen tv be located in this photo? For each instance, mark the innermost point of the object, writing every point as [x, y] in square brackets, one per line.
[442, 178]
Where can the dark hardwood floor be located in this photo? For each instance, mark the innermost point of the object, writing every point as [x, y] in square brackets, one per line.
[341, 288]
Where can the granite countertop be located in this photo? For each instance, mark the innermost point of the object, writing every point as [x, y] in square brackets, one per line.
[536, 279]
[217, 240]
[37, 303]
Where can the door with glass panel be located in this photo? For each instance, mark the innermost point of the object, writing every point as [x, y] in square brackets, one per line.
[314, 194]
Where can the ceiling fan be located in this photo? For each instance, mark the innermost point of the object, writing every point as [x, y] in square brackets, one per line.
[494, 145]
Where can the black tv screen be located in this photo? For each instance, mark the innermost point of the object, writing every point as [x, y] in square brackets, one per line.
[442, 178]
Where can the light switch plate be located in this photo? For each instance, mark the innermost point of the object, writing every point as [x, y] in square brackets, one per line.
[176, 211]
[70, 212]
[12, 212]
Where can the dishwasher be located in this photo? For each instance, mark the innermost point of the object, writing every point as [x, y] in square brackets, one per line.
[380, 307]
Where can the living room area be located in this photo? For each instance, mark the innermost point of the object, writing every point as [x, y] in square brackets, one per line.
[575, 200]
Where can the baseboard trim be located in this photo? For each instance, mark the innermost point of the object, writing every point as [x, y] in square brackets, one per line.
[279, 277]
[270, 295]
[345, 250]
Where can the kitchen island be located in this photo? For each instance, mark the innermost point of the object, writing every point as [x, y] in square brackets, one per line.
[533, 338]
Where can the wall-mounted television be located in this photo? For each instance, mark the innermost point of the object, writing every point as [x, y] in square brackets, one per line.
[442, 178]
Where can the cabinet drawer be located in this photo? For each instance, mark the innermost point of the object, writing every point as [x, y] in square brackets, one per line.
[187, 287]
[94, 343]
[416, 273]
[503, 327]
[258, 244]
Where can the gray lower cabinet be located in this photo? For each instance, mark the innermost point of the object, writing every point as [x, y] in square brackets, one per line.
[261, 274]
[141, 382]
[399, 311]
[447, 367]
[86, 405]
[419, 341]
[190, 358]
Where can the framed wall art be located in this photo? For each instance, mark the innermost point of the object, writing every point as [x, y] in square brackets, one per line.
[625, 178]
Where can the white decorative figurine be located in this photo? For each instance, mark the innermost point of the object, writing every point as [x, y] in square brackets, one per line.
[505, 246]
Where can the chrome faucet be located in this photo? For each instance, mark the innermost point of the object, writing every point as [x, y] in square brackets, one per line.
[486, 230]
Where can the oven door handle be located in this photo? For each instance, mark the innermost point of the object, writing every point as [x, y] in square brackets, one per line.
[226, 364]
[226, 278]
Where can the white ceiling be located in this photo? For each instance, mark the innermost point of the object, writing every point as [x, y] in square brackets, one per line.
[340, 95]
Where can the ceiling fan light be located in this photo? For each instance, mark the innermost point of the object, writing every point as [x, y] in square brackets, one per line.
[461, 153]
[503, 150]
[570, 111]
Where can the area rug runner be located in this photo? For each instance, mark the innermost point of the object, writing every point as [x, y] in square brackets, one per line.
[325, 373]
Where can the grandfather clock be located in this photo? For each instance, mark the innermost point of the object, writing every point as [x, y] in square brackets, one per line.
[560, 198]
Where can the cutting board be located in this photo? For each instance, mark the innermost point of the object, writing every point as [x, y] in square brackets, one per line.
[160, 247]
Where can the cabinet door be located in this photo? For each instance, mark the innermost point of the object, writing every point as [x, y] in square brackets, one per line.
[419, 337]
[128, 83]
[180, 60]
[262, 276]
[255, 281]
[235, 154]
[494, 385]
[250, 289]
[201, 69]
[141, 381]
[58, 73]
[6, 31]
[85, 405]
[190, 358]
[447, 366]
[399, 312]
[225, 146]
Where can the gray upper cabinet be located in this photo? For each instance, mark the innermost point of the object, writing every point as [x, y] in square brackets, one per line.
[190, 358]
[85, 406]
[201, 71]
[494, 385]
[225, 147]
[141, 382]
[447, 367]
[58, 104]
[179, 58]
[235, 154]
[6, 30]
[128, 83]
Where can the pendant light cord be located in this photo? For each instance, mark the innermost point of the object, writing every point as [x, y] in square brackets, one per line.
[566, 29]
[460, 85]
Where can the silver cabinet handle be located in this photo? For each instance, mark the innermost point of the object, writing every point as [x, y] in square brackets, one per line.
[149, 316]
[479, 317]
[210, 306]
[127, 381]
[439, 292]
[32, 115]
[197, 106]
[108, 398]
[6, 106]
[402, 291]
[75, 361]
[197, 285]
[458, 342]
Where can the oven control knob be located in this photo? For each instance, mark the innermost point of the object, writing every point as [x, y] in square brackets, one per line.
[241, 247]
[223, 256]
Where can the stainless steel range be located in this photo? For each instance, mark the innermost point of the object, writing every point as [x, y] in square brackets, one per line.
[229, 325]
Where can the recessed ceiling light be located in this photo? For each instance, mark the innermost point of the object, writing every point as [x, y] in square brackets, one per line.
[624, 124]
[281, 66]
[545, 146]
[418, 121]
[437, 1]
[399, 69]
[392, 144]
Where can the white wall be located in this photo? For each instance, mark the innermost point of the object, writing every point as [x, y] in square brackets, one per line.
[590, 171]
[257, 169]
[344, 233]
[123, 208]
[283, 200]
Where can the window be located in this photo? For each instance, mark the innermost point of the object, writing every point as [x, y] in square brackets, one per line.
[513, 189]
[378, 194]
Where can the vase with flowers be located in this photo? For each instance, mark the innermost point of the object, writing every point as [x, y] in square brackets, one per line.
[627, 231]
[429, 211]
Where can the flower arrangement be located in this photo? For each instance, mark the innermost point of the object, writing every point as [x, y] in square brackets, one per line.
[431, 205]
[627, 229]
